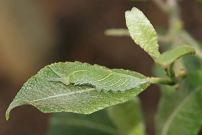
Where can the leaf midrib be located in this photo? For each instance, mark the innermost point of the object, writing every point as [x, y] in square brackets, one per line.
[64, 94]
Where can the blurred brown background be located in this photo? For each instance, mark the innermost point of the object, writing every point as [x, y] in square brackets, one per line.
[35, 33]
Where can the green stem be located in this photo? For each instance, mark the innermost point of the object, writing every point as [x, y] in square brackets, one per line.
[117, 32]
[158, 80]
[170, 71]
[161, 4]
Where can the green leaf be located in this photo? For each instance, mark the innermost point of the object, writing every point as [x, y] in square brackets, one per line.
[180, 112]
[49, 95]
[128, 117]
[142, 32]
[171, 56]
[75, 124]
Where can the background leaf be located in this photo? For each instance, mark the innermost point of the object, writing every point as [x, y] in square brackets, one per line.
[192, 63]
[142, 32]
[76, 124]
[54, 96]
[180, 110]
[128, 117]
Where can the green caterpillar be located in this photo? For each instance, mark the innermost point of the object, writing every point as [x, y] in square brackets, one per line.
[100, 77]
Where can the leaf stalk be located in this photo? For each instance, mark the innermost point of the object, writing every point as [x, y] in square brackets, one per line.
[159, 80]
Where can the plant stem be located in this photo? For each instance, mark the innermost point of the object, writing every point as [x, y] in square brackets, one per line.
[117, 32]
[170, 71]
[158, 80]
[162, 5]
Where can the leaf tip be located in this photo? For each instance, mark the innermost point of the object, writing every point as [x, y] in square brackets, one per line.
[14, 103]
[131, 12]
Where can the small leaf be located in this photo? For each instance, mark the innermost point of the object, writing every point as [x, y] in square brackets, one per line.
[171, 56]
[142, 32]
[48, 95]
[128, 117]
[76, 124]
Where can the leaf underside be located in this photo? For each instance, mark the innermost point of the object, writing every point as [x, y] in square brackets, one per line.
[49, 91]
[142, 32]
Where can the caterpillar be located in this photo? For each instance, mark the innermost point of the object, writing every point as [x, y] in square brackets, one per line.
[102, 78]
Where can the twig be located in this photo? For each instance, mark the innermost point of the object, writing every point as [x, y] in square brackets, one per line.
[117, 32]
[162, 5]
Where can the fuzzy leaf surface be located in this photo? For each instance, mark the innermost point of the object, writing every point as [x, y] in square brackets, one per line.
[142, 32]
